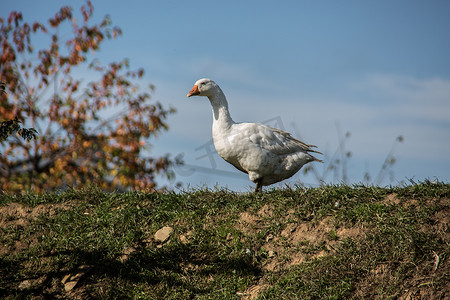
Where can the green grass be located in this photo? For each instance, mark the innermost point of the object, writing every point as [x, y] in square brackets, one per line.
[332, 242]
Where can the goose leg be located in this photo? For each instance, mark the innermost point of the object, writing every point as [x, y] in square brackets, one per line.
[258, 187]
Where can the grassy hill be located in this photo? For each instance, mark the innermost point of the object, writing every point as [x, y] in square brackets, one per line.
[332, 242]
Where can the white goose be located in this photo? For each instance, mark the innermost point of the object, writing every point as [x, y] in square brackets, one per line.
[268, 155]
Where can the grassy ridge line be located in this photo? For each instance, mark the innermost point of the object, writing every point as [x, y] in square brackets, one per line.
[328, 242]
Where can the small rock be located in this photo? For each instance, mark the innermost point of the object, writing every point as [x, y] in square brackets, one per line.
[31, 283]
[71, 280]
[126, 254]
[163, 234]
[26, 284]
[184, 238]
[65, 278]
[269, 237]
[271, 254]
[68, 286]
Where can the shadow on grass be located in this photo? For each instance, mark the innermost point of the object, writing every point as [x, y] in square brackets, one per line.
[185, 269]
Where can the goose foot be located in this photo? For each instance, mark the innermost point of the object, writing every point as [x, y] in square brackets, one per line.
[258, 187]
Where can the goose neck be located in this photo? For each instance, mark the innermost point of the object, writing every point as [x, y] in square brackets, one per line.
[220, 109]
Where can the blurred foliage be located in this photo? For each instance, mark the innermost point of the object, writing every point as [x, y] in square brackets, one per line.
[7, 128]
[336, 164]
[90, 132]
[10, 127]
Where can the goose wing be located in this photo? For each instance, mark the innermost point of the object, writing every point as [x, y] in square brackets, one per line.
[276, 140]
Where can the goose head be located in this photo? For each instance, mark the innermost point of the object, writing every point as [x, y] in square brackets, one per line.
[204, 87]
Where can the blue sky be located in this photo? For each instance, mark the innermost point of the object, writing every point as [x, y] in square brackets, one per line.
[376, 69]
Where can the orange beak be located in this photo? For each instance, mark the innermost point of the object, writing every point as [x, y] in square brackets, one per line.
[194, 91]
